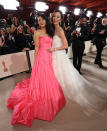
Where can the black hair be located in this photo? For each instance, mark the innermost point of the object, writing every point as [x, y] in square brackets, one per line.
[62, 21]
[49, 29]
[82, 17]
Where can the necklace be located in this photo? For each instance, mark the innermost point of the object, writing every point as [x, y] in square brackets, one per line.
[57, 30]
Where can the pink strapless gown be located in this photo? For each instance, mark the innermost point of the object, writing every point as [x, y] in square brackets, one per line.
[40, 96]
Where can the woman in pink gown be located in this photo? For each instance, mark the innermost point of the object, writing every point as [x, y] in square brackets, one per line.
[40, 96]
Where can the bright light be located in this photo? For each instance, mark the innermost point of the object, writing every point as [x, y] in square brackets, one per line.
[41, 6]
[76, 11]
[99, 14]
[9, 5]
[89, 13]
[85, 9]
[63, 9]
[106, 14]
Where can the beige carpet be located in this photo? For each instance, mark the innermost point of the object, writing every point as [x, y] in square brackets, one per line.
[72, 117]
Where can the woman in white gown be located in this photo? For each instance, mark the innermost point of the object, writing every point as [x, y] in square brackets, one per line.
[74, 86]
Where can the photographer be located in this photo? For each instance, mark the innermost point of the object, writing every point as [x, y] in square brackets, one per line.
[33, 21]
[100, 40]
[68, 26]
[10, 41]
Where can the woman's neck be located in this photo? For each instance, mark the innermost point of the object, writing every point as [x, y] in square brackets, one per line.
[43, 29]
[57, 27]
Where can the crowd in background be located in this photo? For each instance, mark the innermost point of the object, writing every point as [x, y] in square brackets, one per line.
[17, 35]
[83, 30]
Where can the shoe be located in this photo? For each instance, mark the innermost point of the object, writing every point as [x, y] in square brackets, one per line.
[101, 66]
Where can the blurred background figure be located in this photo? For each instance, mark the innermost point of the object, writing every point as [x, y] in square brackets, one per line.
[100, 34]
[79, 35]
[33, 20]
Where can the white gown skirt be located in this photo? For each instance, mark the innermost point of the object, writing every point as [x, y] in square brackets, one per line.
[75, 86]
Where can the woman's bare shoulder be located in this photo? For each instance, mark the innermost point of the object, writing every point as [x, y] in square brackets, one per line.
[37, 32]
[61, 32]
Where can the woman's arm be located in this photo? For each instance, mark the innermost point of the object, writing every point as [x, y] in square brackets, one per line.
[64, 41]
[36, 42]
[61, 34]
[13, 28]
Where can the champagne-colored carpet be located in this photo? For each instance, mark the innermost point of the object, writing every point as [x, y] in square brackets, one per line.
[72, 117]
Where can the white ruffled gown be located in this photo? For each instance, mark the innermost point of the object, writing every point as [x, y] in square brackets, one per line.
[75, 86]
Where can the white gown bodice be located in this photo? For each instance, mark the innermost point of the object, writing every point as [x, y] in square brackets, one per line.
[57, 42]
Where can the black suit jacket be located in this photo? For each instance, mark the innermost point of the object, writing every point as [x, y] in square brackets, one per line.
[83, 37]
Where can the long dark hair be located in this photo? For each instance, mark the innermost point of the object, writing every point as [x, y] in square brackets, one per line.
[49, 29]
[62, 21]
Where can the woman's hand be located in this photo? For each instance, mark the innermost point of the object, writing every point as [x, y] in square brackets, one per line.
[51, 49]
[35, 54]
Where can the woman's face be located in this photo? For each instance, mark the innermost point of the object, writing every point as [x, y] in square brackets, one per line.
[41, 22]
[15, 19]
[2, 32]
[33, 29]
[56, 18]
[8, 29]
[20, 29]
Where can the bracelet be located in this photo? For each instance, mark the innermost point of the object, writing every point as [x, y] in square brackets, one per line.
[55, 49]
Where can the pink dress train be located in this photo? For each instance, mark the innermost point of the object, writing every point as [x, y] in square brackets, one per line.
[40, 96]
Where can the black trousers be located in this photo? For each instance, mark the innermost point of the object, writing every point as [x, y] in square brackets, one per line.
[68, 36]
[78, 50]
[99, 47]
